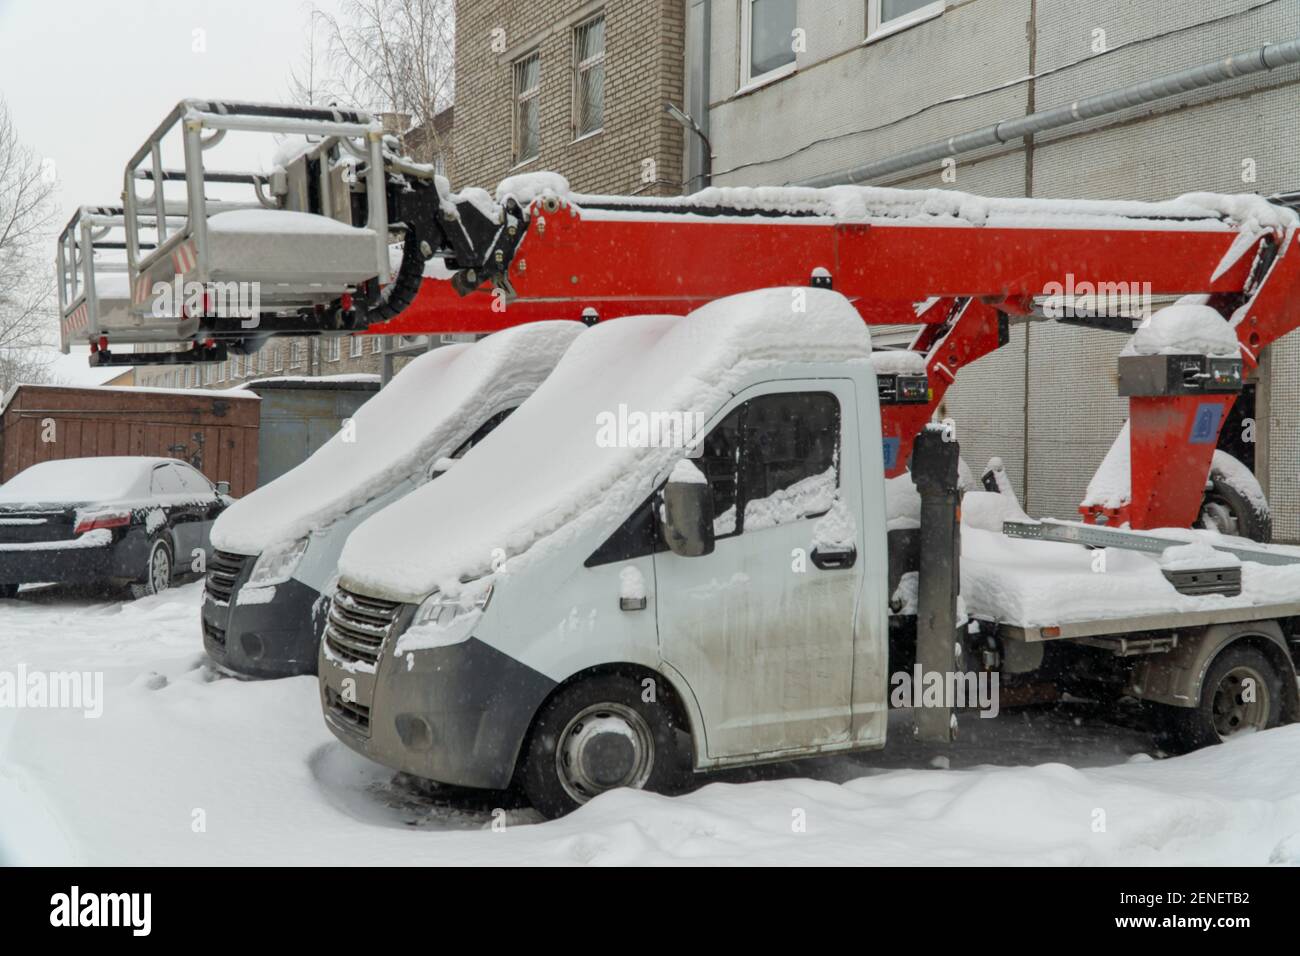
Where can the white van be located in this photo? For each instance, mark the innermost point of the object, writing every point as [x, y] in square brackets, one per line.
[277, 549]
[525, 617]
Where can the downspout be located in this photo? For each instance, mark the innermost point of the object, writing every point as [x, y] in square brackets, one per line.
[1260, 60]
[698, 71]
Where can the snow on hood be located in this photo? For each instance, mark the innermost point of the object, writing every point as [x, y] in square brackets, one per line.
[428, 409]
[543, 478]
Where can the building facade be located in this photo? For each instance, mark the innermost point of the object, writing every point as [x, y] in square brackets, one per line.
[788, 90]
[334, 355]
[570, 86]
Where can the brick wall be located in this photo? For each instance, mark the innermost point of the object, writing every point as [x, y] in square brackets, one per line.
[280, 356]
[644, 43]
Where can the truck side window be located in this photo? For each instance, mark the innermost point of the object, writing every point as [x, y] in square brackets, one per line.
[481, 432]
[789, 460]
[720, 462]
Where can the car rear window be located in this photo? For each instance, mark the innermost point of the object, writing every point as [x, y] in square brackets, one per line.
[78, 479]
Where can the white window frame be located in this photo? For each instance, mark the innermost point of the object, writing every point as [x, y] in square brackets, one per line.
[356, 346]
[878, 31]
[748, 82]
[582, 66]
[377, 346]
[517, 99]
[333, 349]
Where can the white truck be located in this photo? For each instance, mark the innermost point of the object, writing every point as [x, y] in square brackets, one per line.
[277, 548]
[676, 557]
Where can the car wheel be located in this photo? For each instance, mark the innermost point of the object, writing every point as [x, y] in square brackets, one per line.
[599, 735]
[158, 571]
[1240, 694]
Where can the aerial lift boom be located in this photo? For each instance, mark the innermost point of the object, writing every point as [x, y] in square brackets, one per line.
[319, 234]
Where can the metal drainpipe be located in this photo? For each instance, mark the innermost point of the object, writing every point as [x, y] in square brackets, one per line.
[698, 105]
[1261, 60]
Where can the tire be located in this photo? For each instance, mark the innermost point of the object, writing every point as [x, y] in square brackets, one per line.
[1221, 713]
[599, 735]
[158, 571]
[8, 591]
[1234, 502]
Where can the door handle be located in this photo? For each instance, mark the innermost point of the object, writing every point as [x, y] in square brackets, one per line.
[836, 559]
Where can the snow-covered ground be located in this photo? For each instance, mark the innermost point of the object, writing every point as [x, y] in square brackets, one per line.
[186, 766]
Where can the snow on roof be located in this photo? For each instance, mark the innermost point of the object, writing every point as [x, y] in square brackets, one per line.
[323, 381]
[544, 477]
[898, 362]
[66, 480]
[427, 410]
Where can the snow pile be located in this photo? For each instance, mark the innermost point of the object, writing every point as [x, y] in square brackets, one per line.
[1196, 555]
[812, 495]
[526, 188]
[1111, 485]
[428, 409]
[902, 503]
[898, 362]
[1040, 583]
[988, 510]
[276, 788]
[1184, 328]
[542, 479]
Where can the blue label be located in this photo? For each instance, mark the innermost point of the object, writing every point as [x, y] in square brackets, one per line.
[1205, 427]
[891, 451]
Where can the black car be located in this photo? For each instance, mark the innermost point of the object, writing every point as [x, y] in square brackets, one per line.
[118, 521]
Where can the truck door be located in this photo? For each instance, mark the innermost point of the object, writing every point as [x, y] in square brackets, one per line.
[762, 628]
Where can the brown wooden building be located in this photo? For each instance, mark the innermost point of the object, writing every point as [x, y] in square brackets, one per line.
[216, 432]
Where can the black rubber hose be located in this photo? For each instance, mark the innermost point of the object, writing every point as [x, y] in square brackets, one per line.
[399, 295]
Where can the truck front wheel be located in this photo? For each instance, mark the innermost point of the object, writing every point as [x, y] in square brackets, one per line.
[599, 735]
[1241, 693]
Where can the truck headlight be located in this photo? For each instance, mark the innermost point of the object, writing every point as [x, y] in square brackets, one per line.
[442, 609]
[276, 565]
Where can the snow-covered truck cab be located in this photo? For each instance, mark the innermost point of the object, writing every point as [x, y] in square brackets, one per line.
[277, 549]
[682, 566]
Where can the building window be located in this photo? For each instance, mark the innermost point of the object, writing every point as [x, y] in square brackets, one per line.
[279, 358]
[589, 77]
[767, 40]
[332, 349]
[355, 345]
[528, 87]
[295, 356]
[889, 16]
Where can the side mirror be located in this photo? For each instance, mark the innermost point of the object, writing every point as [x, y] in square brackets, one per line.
[687, 523]
[223, 487]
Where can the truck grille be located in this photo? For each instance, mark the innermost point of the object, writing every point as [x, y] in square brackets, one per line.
[223, 571]
[358, 625]
[348, 712]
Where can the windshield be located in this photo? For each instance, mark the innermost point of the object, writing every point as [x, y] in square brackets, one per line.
[77, 479]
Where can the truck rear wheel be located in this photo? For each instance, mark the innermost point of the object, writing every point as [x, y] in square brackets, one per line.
[1234, 502]
[598, 735]
[1241, 693]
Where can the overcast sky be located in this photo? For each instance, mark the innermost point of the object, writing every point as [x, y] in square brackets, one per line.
[87, 81]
